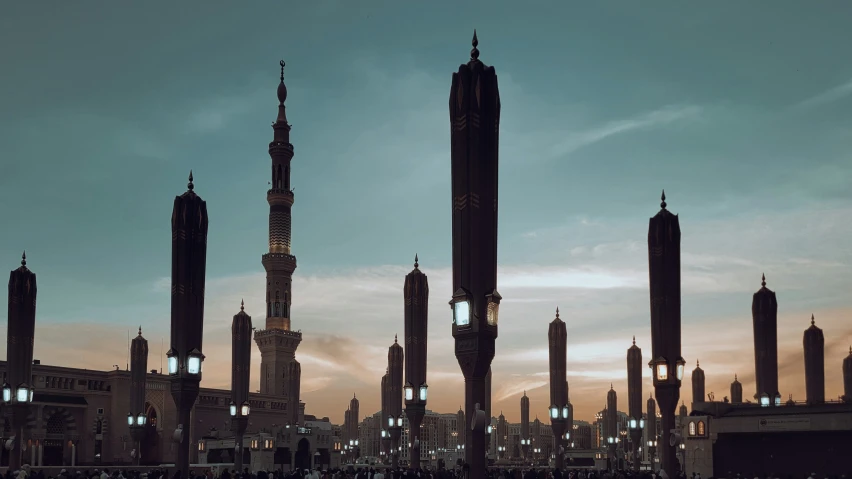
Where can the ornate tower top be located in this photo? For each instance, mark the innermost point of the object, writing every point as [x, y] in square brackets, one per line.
[282, 88]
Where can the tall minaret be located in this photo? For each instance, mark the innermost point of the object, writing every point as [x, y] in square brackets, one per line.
[354, 418]
[764, 314]
[698, 384]
[634, 398]
[814, 343]
[416, 313]
[277, 343]
[651, 425]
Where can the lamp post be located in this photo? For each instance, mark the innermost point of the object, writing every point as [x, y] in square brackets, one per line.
[667, 364]
[189, 261]
[416, 296]
[634, 400]
[241, 332]
[17, 392]
[396, 358]
[475, 118]
[557, 336]
[137, 417]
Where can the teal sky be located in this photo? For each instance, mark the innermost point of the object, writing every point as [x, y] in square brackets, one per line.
[742, 111]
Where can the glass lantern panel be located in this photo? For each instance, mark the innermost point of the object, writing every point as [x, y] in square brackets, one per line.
[23, 394]
[173, 365]
[422, 393]
[244, 410]
[662, 372]
[193, 365]
[409, 393]
[461, 313]
[493, 309]
[7, 394]
[680, 372]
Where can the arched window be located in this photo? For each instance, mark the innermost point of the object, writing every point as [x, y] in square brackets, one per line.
[691, 428]
[277, 305]
[701, 428]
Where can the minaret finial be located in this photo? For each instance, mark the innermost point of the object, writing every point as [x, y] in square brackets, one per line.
[735, 377]
[812, 319]
[395, 339]
[24, 258]
[634, 340]
[416, 261]
[474, 52]
[282, 88]
[763, 280]
[663, 200]
[610, 386]
[190, 185]
[850, 350]
[140, 330]
[697, 363]
[242, 305]
[557, 312]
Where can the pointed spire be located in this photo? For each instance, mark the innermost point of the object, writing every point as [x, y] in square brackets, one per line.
[557, 312]
[394, 339]
[140, 330]
[697, 364]
[416, 261]
[634, 340]
[24, 258]
[474, 52]
[763, 280]
[353, 395]
[735, 377]
[190, 185]
[610, 386]
[663, 200]
[282, 88]
[812, 319]
[242, 305]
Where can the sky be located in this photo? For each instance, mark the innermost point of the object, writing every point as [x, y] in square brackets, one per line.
[741, 111]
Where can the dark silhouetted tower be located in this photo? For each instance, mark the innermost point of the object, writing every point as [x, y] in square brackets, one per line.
[814, 343]
[354, 419]
[240, 379]
[416, 304]
[682, 412]
[278, 343]
[189, 264]
[764, 313]
[19, 353]
[698, 385]
[736, 391]
[664, 276]
[847, 377]
[651, 426]
[634, 399]
[137, 417]
[385, 413]
[557, 339]
[525, 424]
[396, 363]
[611, 420]
[474, 124]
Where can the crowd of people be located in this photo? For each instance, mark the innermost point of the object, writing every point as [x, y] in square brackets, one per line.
[371, 472]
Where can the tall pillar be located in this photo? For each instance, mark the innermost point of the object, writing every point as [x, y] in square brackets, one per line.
[666, 363]
[814, 343]
[396, 361]
[698, 385]
[557, 339]
[847, 377]
[241, 330]
[137, 418]
[651, 427]
[525, 426]
[634, 401]
[17, 391]
[612, 425]
[416, 305]
[383, 423]
[189, 263]
[354, 437]
[764, 314]
[475, 121]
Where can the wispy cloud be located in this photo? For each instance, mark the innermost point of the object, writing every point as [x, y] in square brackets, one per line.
[660, 117]
[831, 95]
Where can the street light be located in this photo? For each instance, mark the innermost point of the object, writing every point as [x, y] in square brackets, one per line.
[680, 365]
[172, 356]
[423, 390]
[193, 362]
[141, 419]
[129, 419]
[565, 412]
[554, 412]
[409, 392]
[23, 394]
